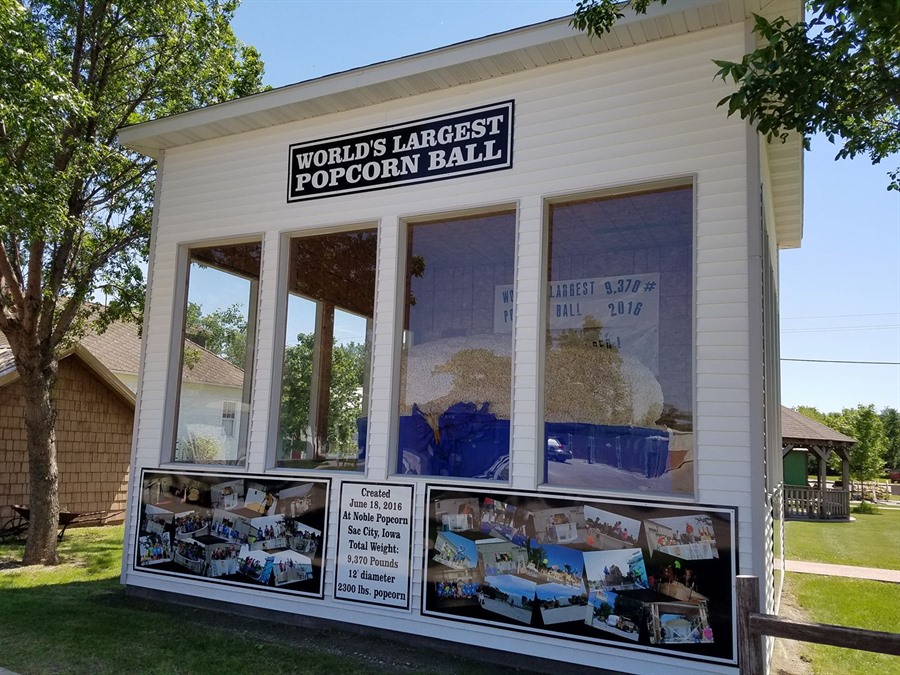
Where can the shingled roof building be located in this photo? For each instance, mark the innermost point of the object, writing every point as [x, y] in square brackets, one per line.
[95, 402]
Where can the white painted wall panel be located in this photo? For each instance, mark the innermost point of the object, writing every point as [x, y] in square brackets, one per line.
[592, 124]
[720, 310]
[725, 366]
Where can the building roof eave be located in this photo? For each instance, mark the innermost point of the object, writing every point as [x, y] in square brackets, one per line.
[801, 431]
[785, 171]
[496, 55]
[10, 375]
[105, 374]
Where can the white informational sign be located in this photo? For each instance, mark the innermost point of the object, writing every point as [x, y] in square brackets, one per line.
[374, 544]
[625, 307]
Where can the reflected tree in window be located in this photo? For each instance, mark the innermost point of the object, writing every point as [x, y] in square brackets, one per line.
[324, 392]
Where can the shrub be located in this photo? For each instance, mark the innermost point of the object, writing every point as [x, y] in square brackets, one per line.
[866, 508]
[199, 449]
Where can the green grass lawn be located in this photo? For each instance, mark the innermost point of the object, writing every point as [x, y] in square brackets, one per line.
[873, 605]
[77, 618]
[869, 541]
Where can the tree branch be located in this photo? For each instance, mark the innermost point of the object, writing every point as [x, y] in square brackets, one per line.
[32, 298]
[10, 279]
[78, 46]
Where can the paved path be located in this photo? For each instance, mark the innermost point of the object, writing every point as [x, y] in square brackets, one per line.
[848, 571]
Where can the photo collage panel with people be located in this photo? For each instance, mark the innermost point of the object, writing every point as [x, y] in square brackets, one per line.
[258, 531]
[631, 573]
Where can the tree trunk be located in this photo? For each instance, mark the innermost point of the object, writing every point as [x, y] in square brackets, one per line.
[40, 425]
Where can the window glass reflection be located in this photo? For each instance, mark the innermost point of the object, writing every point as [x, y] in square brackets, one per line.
[456, 365]
[618, 402]
[325, 377]
[217, 355]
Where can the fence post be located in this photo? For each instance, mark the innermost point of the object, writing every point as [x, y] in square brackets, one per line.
[750, 655]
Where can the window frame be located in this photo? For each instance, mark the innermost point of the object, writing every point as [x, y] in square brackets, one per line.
[681, 181]
[273, 427]
[181, 290]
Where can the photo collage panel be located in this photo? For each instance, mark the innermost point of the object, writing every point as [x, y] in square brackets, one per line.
[635, 574]
[258, 531]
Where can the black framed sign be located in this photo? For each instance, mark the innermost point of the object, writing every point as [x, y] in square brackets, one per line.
[263, 532]
[635, 575]
[374, 548]
[461, 143]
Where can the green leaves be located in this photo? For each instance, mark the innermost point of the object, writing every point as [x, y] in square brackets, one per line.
[836, 73]
[223, 332]
[70, 75]
[874, 435]
[344, 401]
[598, 16]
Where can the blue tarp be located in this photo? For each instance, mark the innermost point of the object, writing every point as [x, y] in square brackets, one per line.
[472, 443]
[469, 441]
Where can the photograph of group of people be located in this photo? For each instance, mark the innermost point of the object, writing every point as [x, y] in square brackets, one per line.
[629, 573]
[261, 531]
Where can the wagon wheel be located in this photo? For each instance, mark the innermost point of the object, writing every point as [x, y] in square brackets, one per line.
[14, 530]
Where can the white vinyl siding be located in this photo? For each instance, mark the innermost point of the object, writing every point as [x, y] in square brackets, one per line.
[614, 121]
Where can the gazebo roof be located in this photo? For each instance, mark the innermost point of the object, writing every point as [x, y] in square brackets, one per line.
[800, 430]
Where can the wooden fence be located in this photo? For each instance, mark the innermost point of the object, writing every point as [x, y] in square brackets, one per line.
[752, 626]
[816, 504]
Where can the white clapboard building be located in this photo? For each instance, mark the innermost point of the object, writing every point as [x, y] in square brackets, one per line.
[516, 296]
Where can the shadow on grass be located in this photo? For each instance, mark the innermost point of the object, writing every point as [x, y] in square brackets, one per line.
[97, 558]
[95, 627]
[77, 618]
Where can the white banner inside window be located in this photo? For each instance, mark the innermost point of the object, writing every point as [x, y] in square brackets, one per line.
[626, 309]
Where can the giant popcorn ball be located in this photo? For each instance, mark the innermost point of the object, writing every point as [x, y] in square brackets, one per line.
[583, 383]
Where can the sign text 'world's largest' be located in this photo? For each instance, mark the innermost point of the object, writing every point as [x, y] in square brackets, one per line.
[458, 144]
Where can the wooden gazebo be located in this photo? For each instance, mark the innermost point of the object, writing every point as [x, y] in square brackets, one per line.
[815, 501]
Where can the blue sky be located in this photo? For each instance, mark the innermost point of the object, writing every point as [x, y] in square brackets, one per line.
[512, 585]
[467, 545]
[840, 292]
[552, 591]
[562, 556]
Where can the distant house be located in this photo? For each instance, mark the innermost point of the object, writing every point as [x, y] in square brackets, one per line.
[95, 401]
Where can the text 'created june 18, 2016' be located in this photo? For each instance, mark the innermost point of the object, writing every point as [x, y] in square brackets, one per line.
[375, 528]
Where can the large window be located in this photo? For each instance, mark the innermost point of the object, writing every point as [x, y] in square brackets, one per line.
[327, 349]
[456, 366]
[618, 383]
[217, 353]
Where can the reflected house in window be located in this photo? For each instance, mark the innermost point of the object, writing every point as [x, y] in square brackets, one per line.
[209, 386]
[219, 327]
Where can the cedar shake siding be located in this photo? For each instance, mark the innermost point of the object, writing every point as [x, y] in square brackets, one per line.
[93, 439]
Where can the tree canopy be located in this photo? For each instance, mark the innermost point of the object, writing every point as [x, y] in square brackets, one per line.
[223, 332]
[890, 421]
[75, 206]
[345, 403]
[864, 424]
[876, 435]
[837, 72]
